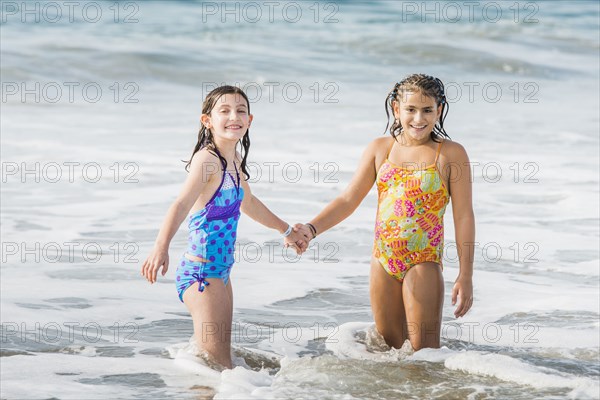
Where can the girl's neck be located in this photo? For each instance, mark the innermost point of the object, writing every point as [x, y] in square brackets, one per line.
[227, 149]
[405, 140]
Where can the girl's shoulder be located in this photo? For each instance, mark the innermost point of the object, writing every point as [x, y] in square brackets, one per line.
[453, 151]
[380, 147]
[378, 150]
[204, 155]
[205, 162]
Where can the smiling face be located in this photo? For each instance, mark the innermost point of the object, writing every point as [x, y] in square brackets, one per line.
[229, 119]
[417, 113]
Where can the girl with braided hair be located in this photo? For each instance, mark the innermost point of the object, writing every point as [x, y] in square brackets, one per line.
[417, 171]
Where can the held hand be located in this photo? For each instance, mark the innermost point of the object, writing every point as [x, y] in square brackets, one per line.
[463, 290]
[297, 241]
[156, 260]
[302, 235]
[304, 230]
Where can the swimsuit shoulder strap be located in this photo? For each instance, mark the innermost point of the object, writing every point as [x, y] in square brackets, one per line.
[387, 156]
[237, 173]
[437, 153]
[220, 186]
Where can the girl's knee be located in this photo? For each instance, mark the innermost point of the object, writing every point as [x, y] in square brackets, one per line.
[424, 335]
[396, 340]
[393, 336]
[418, 345]
[213, 334]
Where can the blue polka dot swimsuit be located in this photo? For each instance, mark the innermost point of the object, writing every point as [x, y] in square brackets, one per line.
[213, 231]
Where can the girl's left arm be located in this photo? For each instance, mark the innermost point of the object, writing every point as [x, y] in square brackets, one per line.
[460, 188]
[255, 209]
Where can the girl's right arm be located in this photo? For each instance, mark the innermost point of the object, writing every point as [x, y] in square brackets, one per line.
[345, 204]
[202, 170]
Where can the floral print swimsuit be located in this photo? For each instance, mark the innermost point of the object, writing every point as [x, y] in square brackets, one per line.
[409, 227]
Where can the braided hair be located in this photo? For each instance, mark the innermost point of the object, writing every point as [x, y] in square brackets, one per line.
[426, 85]
[205, 136]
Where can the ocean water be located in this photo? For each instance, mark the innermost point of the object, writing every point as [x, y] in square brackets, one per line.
[101, 102]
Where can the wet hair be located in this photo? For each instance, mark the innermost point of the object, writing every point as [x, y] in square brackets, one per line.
[205, 136]
[426, 85]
